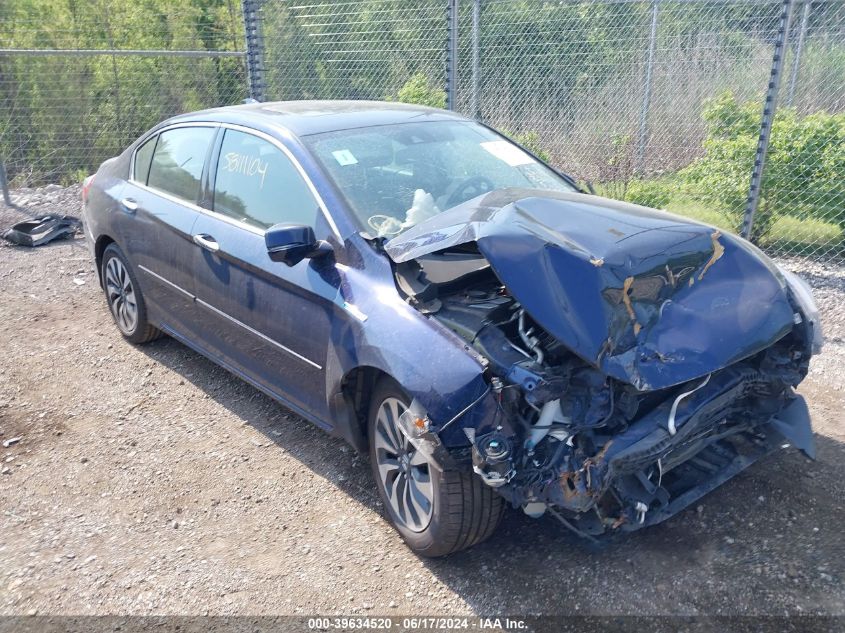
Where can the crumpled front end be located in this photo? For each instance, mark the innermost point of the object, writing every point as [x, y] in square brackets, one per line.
[600, 454]
[626, 475]
[629, 374]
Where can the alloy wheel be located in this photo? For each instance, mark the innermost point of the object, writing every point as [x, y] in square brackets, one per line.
[404, 472]
[121, 296]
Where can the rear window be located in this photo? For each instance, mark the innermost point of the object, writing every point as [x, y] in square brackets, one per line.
[143, 156]
[178, 160]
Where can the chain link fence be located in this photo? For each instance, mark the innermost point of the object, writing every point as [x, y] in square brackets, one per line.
[802, 203]
[352, 49]
[80, 81]
[659, 102]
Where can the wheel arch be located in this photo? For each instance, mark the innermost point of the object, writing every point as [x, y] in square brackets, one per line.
[351, 405]
[100, 247]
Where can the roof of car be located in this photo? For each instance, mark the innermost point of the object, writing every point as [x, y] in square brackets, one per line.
[314, 117]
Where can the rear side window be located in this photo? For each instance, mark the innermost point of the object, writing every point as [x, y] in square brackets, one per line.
[143, 156]
[258, 185]
[178, 159]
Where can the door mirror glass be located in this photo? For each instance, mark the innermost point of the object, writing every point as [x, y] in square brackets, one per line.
[291, 243]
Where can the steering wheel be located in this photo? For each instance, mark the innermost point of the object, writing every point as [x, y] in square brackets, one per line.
[384, 225]
[468, 189]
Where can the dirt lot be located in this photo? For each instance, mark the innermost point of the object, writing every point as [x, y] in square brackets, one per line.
[149, 481]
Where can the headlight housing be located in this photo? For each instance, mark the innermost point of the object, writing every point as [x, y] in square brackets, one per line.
[803, 295]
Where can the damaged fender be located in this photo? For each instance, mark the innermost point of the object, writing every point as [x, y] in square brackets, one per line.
[422, 355]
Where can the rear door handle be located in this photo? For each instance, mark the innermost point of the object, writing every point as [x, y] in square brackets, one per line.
[129, 205]
[207, 242]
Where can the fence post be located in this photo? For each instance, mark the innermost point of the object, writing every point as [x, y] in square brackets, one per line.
[4, 185]
[649, 72]
[254, 48]
[769, 108]
[796, 62]
[475, 103]
[451, 52]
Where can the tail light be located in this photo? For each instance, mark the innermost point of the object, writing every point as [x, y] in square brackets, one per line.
[86, 185]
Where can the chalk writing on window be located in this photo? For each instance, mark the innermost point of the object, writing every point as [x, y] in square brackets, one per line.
[246, 165]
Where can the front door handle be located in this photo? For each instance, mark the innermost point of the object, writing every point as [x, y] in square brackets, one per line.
[207, 242]
[129, 205]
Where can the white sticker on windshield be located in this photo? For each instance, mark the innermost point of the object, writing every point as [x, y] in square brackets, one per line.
[508, 153]
[344, 157]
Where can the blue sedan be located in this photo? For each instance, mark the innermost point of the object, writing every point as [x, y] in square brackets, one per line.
[419, 285]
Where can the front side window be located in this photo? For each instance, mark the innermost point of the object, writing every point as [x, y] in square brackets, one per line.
[395, 176]
[143, 156]
[258, 185]
[178, 159]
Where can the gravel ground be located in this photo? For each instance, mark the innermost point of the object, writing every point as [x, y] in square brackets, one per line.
[149, 481]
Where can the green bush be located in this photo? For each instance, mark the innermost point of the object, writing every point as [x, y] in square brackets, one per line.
[648, 193]
[419, 90]
[805, 167]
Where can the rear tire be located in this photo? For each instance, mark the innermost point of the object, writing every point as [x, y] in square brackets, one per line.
[463, 510]
[124, 298]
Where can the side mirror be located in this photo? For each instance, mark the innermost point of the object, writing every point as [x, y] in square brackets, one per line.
[291, 243]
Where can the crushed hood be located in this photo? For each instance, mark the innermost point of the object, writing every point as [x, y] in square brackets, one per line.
[649, 298]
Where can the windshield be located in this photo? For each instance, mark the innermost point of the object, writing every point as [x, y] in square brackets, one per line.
[395, 176]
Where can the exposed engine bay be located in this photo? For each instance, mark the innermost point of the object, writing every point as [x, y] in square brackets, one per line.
[595, 451]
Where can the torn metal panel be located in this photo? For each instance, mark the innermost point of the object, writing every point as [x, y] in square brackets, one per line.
[649, 298]
[793, 422]
[39, 231]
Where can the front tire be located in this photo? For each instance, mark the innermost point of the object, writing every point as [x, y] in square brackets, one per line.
[436, 512]
[124, 298]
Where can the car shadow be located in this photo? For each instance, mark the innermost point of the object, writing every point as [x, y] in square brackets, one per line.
[769, 538]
